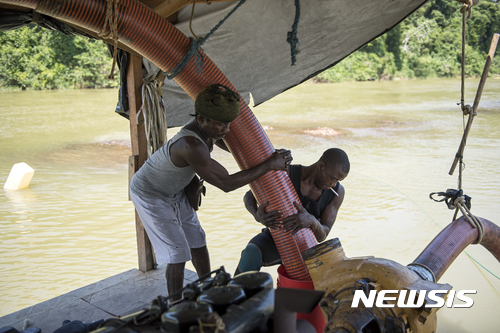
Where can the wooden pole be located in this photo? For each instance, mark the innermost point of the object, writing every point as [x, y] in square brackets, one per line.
[139, 154]
[491, 54]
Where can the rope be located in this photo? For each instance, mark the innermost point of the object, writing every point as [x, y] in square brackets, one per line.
[153, 110]
[292, 35]
[428, 215]
[111, 20]
[196, 43]
[460, 203]
[466, 11]
[467, 7]
[466, 109]
[462, 99]
[455, 199]
[193, 51]
[35, 17]
[191, 21]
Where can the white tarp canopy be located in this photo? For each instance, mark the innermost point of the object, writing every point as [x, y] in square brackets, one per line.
[251, 46]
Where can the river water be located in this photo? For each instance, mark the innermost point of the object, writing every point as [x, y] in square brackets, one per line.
[74, 224]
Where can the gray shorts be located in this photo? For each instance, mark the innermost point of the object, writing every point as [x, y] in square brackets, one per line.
[172, 228]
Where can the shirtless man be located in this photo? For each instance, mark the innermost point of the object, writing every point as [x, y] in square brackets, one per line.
[321, 196]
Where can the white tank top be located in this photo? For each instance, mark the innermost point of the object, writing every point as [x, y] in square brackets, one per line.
[159, 177]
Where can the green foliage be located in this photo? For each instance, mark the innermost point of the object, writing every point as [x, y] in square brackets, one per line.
[425, 45]
[35, 58]
[428, 44]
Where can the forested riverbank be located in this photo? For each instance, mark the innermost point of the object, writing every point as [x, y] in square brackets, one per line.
[425, 45]
[428, 44]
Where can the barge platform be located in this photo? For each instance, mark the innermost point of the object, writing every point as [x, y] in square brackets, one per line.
[117, 296]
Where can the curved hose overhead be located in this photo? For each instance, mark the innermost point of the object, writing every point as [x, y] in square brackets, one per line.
[147, 33]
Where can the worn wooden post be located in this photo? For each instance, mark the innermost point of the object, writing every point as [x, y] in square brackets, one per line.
[139, 153]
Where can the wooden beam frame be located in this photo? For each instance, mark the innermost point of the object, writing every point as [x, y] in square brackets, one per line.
[108, 40]
[169, 7]
[139, 154]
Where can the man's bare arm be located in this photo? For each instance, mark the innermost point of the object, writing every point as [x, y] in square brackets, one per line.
[269, 219]
[329, 215]
[304, 219]
[196, 154]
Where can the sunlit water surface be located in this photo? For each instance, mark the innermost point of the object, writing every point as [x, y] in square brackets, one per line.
[74, 225]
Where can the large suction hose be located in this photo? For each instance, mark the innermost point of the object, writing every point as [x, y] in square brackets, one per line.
[147, 33]
[449, 243]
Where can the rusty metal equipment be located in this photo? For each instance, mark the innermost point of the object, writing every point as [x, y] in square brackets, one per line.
[340, 277]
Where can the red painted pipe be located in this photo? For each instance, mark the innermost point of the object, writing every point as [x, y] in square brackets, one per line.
[147, 33]
[452, 240]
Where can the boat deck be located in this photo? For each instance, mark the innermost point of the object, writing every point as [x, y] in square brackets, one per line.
[116, 296]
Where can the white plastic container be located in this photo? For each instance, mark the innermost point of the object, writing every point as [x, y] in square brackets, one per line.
[19, 177]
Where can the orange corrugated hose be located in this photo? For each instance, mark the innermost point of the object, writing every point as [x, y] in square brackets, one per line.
[147, 33]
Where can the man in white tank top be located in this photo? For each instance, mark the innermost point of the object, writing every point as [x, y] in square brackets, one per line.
[157, 189]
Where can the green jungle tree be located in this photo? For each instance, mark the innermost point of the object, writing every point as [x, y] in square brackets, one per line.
[425, 45]
[428, 44]
[37, 58]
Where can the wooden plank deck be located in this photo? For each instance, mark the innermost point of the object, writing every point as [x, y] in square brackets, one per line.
[116, 296]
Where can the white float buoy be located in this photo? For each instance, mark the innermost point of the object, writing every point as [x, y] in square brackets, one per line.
[19, 177]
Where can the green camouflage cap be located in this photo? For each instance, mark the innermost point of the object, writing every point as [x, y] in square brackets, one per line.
[218, 102]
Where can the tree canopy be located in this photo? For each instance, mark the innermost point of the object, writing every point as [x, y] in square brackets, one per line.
[425, 45]
[38, 58]
[428, 44]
